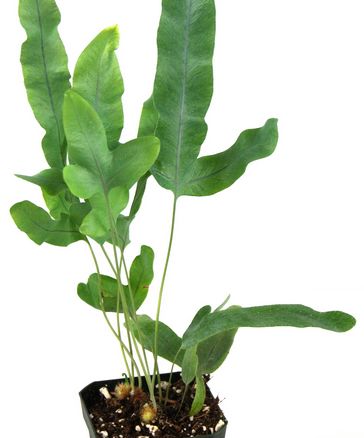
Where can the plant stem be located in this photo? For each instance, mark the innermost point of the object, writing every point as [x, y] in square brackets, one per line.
[121, 295]
[170, 375]
[135, 315]
[121, 291]
[183, 398]
[117, 335]
[156, 330]
[109, 260]
[117, 275]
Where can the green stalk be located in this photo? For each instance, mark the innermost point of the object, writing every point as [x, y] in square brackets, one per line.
[135, 315]
[183, 398]
[116, 273]
[124, 304]
[126, 309]
[127, 316]
[117, 335]
[156, 330]
[120, 293]
[170, 375]
[122, 262]
[118, 312]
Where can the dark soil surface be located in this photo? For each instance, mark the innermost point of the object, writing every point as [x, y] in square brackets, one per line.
[115, 418]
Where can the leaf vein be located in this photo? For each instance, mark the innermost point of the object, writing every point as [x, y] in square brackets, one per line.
[47, 81]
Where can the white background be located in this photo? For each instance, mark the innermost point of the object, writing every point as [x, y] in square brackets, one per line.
[290, 231]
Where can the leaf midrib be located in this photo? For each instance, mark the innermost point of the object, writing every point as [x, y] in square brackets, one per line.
[46, 77]
[99, 170]
[183, 97]
[51, 230]
[201, 178]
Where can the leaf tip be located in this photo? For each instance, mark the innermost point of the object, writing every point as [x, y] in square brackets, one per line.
[114, 35]
[343, 322]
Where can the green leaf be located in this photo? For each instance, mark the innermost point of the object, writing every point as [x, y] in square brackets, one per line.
[99, 288]
[200, 315]
[102, 169]
[148, 122]
[189, 365]
[132, 160]
[183, 86]
[200, 396]
[97, 223]
[98, 174]
[40, 227]
[213, 351]
[97, 78]
[51, 180]
[123, 222]
[182, 95]
[122, 231]
[78, 212]
[58, 205]
[87, 145]
[214, 173]
[141, 276]
[46, 74]
[138, 196]
[148, 119]
[169, 343]
[293, 315]
[147, 126]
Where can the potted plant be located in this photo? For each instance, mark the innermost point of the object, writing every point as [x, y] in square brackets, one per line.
[87, 191]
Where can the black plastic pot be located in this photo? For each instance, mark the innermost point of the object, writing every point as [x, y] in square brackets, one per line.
[90, 395]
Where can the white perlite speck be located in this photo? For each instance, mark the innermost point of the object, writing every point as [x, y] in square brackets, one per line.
[105, 392]
[118, 411]
[138, 428]
[164, 385]
[191, 418]
[211, 430]
[153, 429]
[204, 428]
[104, 434]
[219, 425]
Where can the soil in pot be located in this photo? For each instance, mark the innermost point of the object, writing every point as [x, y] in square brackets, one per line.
[116, 418]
